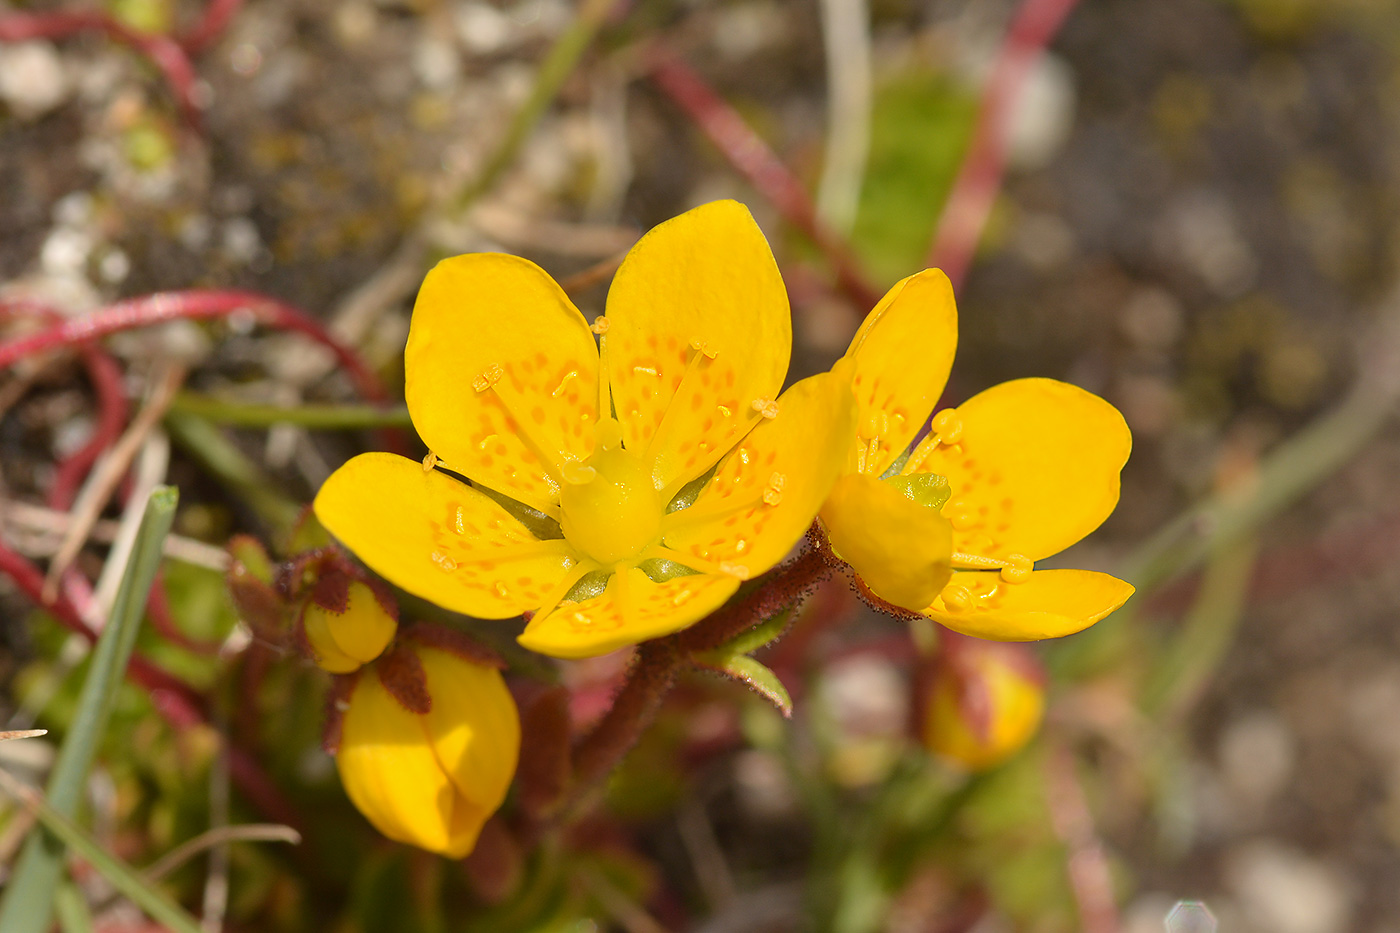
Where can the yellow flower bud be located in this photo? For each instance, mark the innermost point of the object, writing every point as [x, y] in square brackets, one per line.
[986, 703]
[900, 547]
[342, 641]
[431, 779]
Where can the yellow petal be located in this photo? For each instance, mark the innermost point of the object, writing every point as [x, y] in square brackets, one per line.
[1036, 468]
[1016, 705]
[438, 538]
[1048, 604]
[902, 355]
[899, 547]
[473, 726]
[501, 374]
[765, 495]
[364, 629]
[392, 776]
[699, 328]
[632, 609]
[315, 623]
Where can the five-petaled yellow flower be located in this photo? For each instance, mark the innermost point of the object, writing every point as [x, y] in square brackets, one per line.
[586, 484]
[1015, 474]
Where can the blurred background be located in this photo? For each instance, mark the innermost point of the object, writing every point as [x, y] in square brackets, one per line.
[1199, 220]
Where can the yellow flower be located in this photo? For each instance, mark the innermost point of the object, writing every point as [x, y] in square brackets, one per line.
[349, 631]
[430, 778]
[1015, 474]
[986, 702]
[593, 496]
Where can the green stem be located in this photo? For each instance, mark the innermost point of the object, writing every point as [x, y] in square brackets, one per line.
[1285, 475]
[29, 902]
[217, 454]
[559, 63]
[316, 417]
[1207, 634]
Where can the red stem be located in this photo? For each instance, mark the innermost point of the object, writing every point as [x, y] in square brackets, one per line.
[633, 709]
[175, 700]
[217, 15]
[756, 161]
[162, 51]
[194, 304]
[970, 202]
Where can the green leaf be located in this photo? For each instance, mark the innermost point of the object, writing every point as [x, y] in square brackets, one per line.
[120, 875]
[29, 900]
[760, 636]
[745, 669]
[72, 909]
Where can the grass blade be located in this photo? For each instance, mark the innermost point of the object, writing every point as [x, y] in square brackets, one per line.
[29, 897]
[120, 875]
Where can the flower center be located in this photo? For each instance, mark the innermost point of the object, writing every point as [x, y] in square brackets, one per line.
[610, 508]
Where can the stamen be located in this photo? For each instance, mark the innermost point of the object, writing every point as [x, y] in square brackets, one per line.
[765, 407]
[649, 370]
[946, 428]
[682, 596]
[965, 561]
[489, 378]
[566, 583]
[494, 380]
[486, 441]
[947, 425]
[773, 492]
[430, 461]
[600, 325]
[697, 344]
[1018, 568]
[559, 389]
[734, 570]
[957, 598]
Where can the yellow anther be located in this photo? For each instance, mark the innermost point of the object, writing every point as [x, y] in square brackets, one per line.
[681, 597]
[490, 377]
[559, 389]
[773, 492]
[957, 598]
[697, 344]
[486, 441]
[430, 461]
[459, 521]
[443, 561]
[724, 411]
[1018, 568]
[500, 589]
[948, 426]
[734, 570]
[649, 370]
[765, 407]
[582, 619]
[600, 325]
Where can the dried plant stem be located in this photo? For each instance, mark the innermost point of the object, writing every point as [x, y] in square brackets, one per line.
[635, 706]
[756, 161]
[975, 189]
[103, 481]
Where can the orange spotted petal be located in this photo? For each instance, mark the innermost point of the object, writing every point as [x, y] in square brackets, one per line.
[439, 538]
[698, 330]
[632, 609]
[501, 375]
[902, 355]
[1047, 604]
[766, 493]
[1035, 470]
